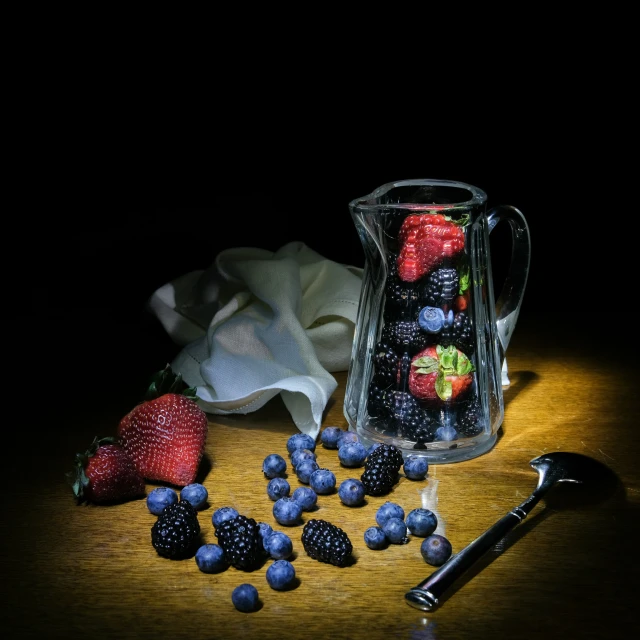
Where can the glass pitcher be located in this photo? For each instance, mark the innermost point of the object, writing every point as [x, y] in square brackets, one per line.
[428, 360]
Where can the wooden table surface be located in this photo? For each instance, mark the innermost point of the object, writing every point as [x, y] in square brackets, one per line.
[90, 571]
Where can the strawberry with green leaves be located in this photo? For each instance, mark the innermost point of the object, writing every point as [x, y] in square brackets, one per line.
[166, 433]
[105, 473]
[440, 376]
[426, 241]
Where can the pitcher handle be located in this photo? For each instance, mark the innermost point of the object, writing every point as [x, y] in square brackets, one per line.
[510, 299]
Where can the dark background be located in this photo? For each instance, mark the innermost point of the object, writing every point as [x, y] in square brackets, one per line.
[93, 264]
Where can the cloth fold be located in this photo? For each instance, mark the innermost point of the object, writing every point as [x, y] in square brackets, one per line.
[258, 323]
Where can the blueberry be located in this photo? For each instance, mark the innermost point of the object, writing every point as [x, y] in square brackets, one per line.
[278, 488]
[210, 558]
[323, 481]
[265, 531]
[329, 437]
[431, 319]
[415, 467]
[222, 515]
[421, 522]
[287, 511]
[300, 441]
[375, 538]
[352, 454]
[280, 575]
[279, 545]
[306, 497]
[435, 550]
[449, 319]
[274, 466]
[300, 455]
[446, 434]
[159, 498]
[196, 494]
[305, 469]
[351, 492]
[396, 530]
[245, 598]
[347, 436]
[389, 510]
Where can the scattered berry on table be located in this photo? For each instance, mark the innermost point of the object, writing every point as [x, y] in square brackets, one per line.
[245, 598]
[396, 530]
[352, 454]
[435, 550]
[381, 470]
[159, 498]
[265, 531]
[300, 455]
[222, 514]
[325, 542]
[351, 492]
[305, 469]
[446, 433]
[322, 481]
[196, 494]
[241, 542]
[287, 511]
[346, 437]
[175, 532]
[306, 497]
[300, 441]
[329, 437]
[166, 433]
[274, 466]
[105, 473]
[421, 522]
[278, 488]
[210, 558]
[388, 510]
[373, 447]
[375, 538]
[415, 467]
[279, 545]
[280, 575]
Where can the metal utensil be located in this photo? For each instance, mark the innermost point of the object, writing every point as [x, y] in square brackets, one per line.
[552, 468]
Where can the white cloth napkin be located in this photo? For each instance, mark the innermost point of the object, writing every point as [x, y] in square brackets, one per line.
[259, 323]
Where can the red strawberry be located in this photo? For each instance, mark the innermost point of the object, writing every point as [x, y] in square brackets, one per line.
[166, 434]
[105, 473]
[426, 241]
[461, 301]
[440, 375]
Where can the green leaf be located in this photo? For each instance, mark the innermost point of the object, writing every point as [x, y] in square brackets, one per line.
[448, 357]
[443, 386]
[464, 365]
[426, 364]
[464, 276]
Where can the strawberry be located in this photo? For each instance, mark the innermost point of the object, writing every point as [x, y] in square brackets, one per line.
[426, 240]
[440, 375]
[462, 300]
[166, 433]
[105, 473]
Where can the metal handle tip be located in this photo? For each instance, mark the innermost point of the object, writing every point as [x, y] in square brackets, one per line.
[420, 599]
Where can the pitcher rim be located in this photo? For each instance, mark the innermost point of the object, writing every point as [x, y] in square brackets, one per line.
[478, 196]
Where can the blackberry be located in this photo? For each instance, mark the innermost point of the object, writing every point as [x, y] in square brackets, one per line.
[402, 299]
[469, 420]
[406, 415]
[381, 470]
[385, 361]
[241, 542]
[175, 532]
[404, 368]
[441, 287]
[326, 542]
[387, 454]
[377, 403]
[459, 334]
[404, 336]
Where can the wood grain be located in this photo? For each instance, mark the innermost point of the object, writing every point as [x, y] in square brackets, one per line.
[87, 571]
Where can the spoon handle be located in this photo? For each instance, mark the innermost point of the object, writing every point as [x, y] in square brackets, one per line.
[424, 596]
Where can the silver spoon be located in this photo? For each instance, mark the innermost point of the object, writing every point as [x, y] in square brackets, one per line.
[552, 468]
